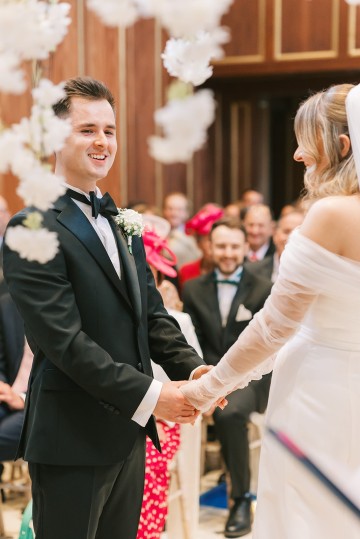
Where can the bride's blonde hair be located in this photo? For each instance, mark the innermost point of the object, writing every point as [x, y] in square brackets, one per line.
[319, 122]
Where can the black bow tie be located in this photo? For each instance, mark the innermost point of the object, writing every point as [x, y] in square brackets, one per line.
[105, 205]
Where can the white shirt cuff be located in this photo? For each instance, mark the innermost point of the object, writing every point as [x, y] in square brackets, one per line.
[147, 405]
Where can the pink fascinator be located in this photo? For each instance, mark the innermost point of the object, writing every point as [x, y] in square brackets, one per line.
[156, 248]
[203, 220]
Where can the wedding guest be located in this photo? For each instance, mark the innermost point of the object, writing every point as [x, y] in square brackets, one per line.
[269, 266]
[154, 508]
[221, 305]
[15, 365]
[94, 318]
[4, 219]
[311, 320]
[251, 197]
[176, 210]
[199, 226]
[259, 225]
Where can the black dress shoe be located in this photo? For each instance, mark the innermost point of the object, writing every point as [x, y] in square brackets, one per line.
[239, 521]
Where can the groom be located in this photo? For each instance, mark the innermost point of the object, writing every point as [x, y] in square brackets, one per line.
[93, 318]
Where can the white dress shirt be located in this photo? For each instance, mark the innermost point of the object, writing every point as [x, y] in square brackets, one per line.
[226, 292]
[103, 229]
[260, 253]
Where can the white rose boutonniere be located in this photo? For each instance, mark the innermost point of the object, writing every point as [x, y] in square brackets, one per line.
[131, 223]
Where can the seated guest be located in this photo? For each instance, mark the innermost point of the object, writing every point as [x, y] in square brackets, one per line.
[176, 211]
[15, 365]
[221, 305]
[154, 508]
[259, 225]
[199, 227]
[269, 266]
[251, 197]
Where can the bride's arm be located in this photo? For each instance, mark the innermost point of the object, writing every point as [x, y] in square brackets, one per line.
[267, 332]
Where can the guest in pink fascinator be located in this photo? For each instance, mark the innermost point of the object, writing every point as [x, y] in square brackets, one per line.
[200, 226]
[161, 260]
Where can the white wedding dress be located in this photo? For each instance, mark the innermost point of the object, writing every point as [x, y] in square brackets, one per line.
[312, 319]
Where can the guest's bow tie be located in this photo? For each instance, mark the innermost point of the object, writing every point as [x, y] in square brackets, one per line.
[227, 281]
[105, 205]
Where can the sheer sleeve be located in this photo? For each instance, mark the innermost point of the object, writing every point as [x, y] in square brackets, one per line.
[304, 273]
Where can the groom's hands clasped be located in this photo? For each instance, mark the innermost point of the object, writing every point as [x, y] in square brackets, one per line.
[173, 406]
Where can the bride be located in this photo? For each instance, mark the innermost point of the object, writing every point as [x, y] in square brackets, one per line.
[311, 320]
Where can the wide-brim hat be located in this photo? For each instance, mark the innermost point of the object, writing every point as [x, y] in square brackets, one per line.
[158, 253]
[157, 224]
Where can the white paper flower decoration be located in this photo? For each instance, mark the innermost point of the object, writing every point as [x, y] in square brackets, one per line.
[115, 12]
[189, 60]
[38, 245]
[184, 123]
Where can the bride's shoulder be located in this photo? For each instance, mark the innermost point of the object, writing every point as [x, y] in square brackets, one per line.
[334, 207]
[329, 218]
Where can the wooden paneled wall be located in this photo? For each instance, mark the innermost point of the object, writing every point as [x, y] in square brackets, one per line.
[280, 50]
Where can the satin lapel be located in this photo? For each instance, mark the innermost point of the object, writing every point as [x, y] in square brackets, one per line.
[212, 304]
[240, 296]
[77, 223]
[129, 266]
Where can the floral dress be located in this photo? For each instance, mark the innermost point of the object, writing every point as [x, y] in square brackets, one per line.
[157, 478]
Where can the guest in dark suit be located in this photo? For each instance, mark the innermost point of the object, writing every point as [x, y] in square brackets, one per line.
[269, 266]
[259, 224]
[15, 365]
[4, 219]
[94, 318]
[221, 305]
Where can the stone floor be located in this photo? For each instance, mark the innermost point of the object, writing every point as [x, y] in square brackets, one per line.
[211, 523]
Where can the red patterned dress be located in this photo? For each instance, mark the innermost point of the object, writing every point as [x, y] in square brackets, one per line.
[157, 477]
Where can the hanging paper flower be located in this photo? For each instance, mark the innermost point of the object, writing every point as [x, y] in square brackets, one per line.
[186, 18]
[39, 245]
[29, 30]
[183, 135]
[189, 60]
[115, 12]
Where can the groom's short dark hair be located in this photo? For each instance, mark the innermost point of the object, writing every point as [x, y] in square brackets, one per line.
[85, 87]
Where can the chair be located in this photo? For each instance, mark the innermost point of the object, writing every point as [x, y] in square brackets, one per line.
[183, 499]
[256, 432]
[18, 481]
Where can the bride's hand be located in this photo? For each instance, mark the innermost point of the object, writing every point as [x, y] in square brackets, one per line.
[202, 370]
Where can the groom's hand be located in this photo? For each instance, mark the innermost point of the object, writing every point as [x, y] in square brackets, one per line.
[173, 406]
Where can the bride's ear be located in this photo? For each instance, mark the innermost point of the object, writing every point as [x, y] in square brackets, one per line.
[345, 145]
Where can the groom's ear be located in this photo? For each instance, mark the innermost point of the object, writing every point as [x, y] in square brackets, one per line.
[345, 145]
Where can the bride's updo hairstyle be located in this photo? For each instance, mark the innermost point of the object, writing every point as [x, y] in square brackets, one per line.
[319, 122]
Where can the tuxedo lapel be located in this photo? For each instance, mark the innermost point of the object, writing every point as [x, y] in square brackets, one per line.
[211, 304]
[129, 267]
[240, 297]
[77, 223]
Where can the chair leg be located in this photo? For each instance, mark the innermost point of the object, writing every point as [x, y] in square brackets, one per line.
[2, 527]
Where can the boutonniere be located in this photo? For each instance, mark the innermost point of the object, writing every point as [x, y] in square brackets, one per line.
[131, 224]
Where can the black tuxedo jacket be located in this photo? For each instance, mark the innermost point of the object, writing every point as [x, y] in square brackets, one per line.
[201, 302]
[92, 335]
[264, 268]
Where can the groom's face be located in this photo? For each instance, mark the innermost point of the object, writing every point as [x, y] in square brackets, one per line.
[90, 150]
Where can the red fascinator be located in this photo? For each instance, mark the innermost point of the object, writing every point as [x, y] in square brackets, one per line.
[203, 220]
[155, 248]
